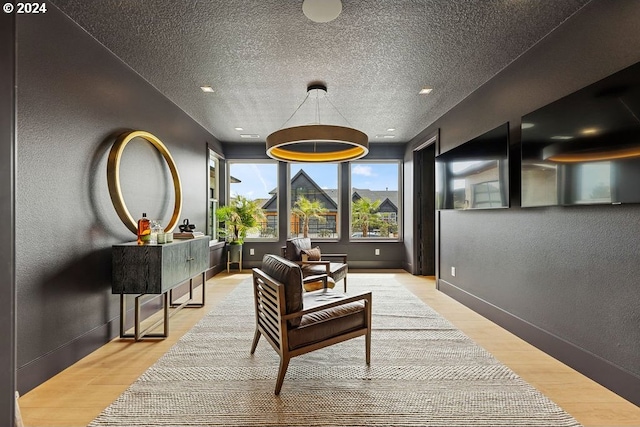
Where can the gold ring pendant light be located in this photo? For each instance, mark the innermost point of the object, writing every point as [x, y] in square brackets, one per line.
[113, 178]
[282, 144]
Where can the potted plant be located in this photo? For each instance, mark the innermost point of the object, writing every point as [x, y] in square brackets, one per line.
[239, 217]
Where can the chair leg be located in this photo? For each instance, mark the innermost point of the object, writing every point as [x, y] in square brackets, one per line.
[368, 335]
[345, 284]
[284, 364]
[367, 346]
[256, 338]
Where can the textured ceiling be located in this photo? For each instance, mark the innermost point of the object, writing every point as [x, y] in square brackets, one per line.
[260, 55]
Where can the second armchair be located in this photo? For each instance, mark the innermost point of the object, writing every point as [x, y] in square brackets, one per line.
[313, 262]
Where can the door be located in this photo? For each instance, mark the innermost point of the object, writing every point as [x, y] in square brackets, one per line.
[424, 211]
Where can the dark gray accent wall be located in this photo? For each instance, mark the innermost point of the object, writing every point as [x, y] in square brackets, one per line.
[7, 218]
[564, 278]
[74, 97]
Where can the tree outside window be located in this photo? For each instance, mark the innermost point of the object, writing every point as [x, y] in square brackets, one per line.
[257, 182]
[375, 200]
[306, 210]
[365, 215]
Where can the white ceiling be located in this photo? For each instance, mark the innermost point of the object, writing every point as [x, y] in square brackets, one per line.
[260, 55]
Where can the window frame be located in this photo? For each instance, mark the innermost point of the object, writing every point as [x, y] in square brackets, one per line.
[290, 202]
[400, 204]
[229, 164]
[213, 199]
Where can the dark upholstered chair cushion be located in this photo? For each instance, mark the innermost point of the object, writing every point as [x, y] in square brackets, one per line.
[290, 275]
[324, 324]
[295, 247]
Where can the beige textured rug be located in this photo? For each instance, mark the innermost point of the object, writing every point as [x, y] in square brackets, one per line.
[424, 372]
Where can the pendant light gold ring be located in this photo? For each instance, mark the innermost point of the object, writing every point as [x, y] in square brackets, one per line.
[355, 143]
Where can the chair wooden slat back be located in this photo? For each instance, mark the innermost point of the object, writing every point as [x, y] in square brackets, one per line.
[270, 307]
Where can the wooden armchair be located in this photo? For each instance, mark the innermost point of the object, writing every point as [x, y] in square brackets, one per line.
[296, 322]
[312, 266]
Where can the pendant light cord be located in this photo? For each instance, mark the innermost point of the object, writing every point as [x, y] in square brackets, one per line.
[334, 107]
[294, 113]
[317, 109]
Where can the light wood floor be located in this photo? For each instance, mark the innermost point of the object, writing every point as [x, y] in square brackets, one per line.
[78, 394]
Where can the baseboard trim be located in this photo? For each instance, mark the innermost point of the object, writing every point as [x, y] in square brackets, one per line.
[45, 367]
[214, 270]
[408, 267]
[616, 379]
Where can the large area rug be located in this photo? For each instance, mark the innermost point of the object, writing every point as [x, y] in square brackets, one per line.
[424, 372]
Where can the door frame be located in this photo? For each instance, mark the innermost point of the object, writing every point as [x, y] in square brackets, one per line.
[417, 179]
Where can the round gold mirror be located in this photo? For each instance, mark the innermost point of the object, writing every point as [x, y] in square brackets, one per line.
[113, 178]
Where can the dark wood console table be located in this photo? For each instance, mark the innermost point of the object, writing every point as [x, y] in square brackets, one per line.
[156, 270]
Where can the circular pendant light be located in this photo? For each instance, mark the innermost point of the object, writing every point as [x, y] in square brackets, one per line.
[317, 143]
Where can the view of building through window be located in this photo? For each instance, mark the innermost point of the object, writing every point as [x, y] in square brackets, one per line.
[314, 195]
[315, 198]
[375, 200]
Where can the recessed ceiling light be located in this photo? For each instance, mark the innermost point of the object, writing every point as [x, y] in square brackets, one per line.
[238, 128]
[527, 125]
[561, 137]
[249, 135]
[386, 136]
[206, 88]
[391, 129]
[425, 90]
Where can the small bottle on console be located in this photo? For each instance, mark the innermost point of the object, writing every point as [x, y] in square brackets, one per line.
[144, 230]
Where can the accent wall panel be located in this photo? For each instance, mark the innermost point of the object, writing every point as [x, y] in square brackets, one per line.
[74, 97]
[565, 278]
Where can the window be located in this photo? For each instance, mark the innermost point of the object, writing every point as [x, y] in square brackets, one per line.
[212, 222]
[375, 200]
[258, 182]
[314, 195]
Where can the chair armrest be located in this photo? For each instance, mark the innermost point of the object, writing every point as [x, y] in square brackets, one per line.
[366, 296]
[315, 278]
[327, 264]
[343, 256]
